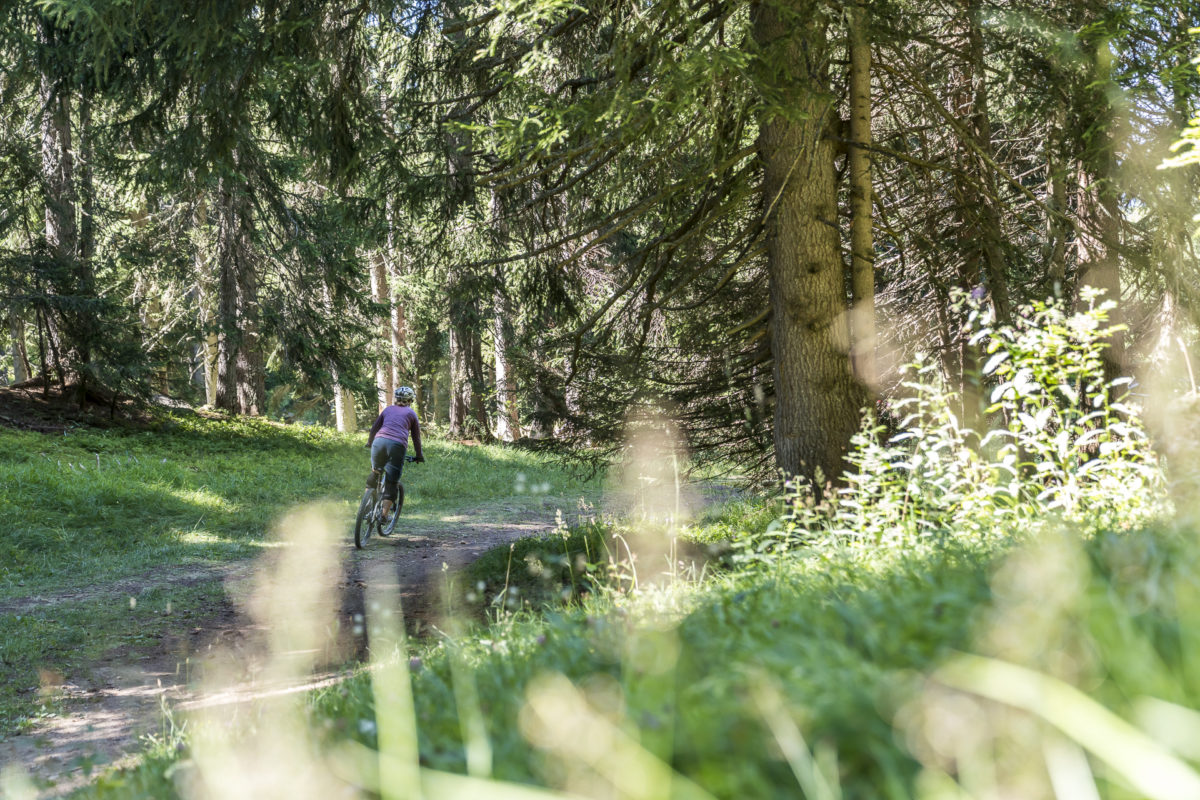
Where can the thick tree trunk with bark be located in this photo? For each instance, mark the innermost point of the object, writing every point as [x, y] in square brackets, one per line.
[817, 399]
[240, 374]
[862, 240]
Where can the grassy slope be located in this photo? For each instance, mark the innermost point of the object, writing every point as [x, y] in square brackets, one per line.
[92, 507]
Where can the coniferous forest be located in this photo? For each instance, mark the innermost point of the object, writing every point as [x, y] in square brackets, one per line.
[808, 391]
[551, 218]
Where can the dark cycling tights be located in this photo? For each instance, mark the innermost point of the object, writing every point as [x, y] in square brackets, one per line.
[388, 455]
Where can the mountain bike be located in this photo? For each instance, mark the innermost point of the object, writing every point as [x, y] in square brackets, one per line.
[370, 510]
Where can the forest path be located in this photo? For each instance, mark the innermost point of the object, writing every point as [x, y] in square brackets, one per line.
[109, 705]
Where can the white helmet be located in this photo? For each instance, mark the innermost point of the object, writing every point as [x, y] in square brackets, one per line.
[405, 395]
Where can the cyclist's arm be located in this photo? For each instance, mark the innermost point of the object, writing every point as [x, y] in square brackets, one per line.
[375, 429]
[416, 439]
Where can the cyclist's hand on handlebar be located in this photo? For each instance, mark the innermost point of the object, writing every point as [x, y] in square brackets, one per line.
[419, 459]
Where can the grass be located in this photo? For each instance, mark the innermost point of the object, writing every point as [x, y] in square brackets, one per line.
[824, 673]
[96, 508]
[832, 633]
[45, 648]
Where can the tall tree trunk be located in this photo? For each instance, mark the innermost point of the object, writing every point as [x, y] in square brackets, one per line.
[1098, 239]
[1178, 211]
[240, 373]
[460, 383]
[206, 284]
[1058, 229]
[399, 326]
[1097, 244]
[87, 189]
[399, 330]
[343, 405]
[58, 162]
[382, 295]
[992, 234]
[419, 388]
[60, 196]
[434, 407]
[817, 399]
[508, 423]
[862, 240]
[16, 332]
[251, 369]
[229, 335]
[475, 375]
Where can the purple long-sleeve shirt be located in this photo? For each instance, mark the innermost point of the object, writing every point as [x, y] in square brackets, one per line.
[395, 423]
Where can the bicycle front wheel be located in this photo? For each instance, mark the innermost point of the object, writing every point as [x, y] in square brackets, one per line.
[363, 522]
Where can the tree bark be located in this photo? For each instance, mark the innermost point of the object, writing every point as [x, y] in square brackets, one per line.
[475, 375]
[981, 128]
[508, 422]
[343, 405]
[16, 332]
[57, 161]
[1097, 244]
[206, 285]
[399, 323]
[1058, 230]
[460, 384]
[434, 408]
[58, 177]
[862, 240]
[241, 382]
[252, 374]
[381, 294]
[817, 400]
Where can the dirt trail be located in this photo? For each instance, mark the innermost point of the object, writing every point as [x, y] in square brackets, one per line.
[110, 705]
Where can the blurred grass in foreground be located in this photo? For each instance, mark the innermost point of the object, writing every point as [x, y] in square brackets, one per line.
[832, 674]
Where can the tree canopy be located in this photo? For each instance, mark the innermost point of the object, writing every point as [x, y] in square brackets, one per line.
[560, 220]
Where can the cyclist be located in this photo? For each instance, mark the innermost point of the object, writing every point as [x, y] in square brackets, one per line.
[388, 441]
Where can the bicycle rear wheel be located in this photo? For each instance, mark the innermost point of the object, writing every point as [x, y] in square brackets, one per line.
[365, 519]
[386, 530]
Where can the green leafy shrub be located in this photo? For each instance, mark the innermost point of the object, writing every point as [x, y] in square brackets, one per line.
[1055, 442]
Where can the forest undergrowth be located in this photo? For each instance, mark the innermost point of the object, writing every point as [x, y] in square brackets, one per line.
[1006, 614]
